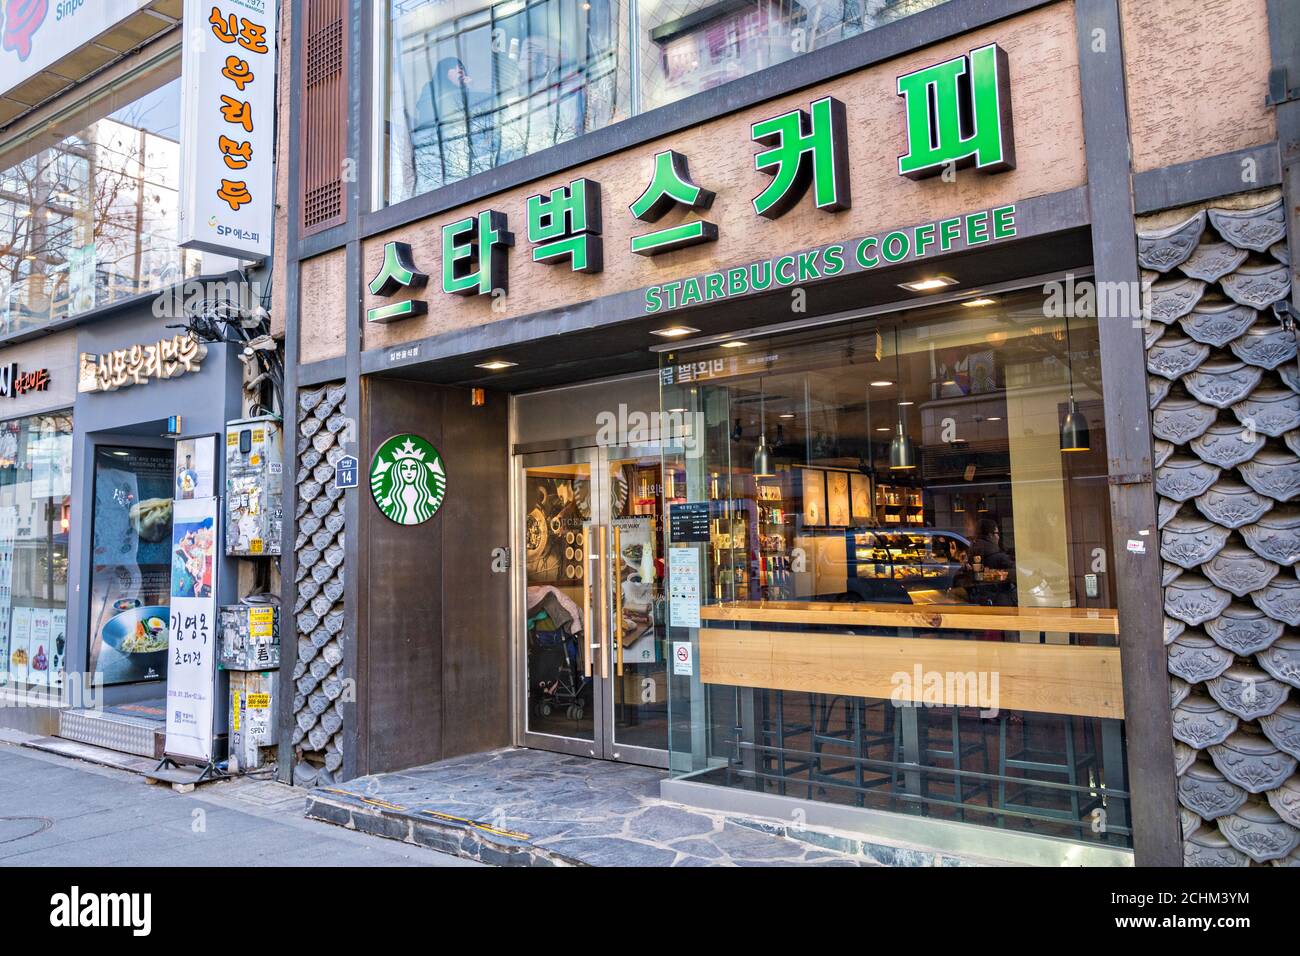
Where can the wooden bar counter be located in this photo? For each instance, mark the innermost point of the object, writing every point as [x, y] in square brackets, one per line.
[1045, 678]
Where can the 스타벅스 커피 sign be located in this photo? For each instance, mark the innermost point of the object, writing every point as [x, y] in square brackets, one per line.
[228, 126]
[407, 479]
[957, 114]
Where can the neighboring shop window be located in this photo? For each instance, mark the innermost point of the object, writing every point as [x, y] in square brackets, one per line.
[468, 87]
[88, 211]
[131, 563]
[474, 85]
[906, 588]
[35, 510]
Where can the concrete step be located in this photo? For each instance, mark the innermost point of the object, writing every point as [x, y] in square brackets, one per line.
[88, 752]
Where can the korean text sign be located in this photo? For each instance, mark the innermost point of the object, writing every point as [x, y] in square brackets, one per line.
[192, 626]
[228, 127]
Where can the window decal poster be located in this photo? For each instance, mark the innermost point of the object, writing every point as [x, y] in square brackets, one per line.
[131, 572]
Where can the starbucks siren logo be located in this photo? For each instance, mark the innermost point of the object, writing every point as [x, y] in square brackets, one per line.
[407, 479]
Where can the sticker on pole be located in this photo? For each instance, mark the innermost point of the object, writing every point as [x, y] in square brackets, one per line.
[683, 659]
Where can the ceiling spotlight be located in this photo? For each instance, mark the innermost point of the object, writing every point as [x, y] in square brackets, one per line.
[928, 285]
[787, 415]
[496, 365]
[674, 331]
[882, 383]
[733, 344]
[976, 303]
[907, 403]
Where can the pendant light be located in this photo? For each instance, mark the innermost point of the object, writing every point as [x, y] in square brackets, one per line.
[902, 453]
[1074, 430]
[763, 455]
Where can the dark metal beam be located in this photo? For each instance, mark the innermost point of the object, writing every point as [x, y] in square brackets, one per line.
[1210, 177]
[1157, 840]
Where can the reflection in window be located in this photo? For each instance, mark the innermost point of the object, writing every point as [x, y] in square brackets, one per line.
[474, 84]
[480, 84]
[35, 511]
[688, 46]
[91, 218]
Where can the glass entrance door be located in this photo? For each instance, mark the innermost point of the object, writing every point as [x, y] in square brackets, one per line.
[592, 639]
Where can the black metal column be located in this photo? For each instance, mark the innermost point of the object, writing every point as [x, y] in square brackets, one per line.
[1157, 840]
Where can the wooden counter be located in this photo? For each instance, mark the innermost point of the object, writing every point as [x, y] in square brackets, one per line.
[1044, 678]
[933, 617]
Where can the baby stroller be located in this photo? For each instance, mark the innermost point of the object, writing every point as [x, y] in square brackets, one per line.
[554, 628]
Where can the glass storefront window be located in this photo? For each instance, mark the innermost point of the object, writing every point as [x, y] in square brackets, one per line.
[905, 588]
[35, 510]
[130, 576]
[687, 47]
[473, 85]
[466, 87]
[88, 211]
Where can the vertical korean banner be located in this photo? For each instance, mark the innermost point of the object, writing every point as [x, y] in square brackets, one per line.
[192, 654]
[228, 127]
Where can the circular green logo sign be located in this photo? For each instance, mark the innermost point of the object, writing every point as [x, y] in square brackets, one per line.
[407, 479]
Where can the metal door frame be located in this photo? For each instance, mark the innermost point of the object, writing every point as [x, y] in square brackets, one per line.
[600, 644]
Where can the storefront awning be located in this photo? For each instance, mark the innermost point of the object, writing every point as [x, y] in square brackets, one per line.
[153, 18]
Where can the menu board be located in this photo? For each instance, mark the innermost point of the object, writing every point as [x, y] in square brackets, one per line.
[689, 521]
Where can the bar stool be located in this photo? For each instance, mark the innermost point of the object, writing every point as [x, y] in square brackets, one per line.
[955, 753]
[773, 733]
[854, 736]
[1067, 762]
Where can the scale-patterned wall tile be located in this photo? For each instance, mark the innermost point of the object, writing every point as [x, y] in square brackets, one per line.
[318, 604]
[1225, 399]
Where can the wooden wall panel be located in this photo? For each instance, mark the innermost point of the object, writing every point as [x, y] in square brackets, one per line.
[435, 634]
[323, 120]
[1045, 678]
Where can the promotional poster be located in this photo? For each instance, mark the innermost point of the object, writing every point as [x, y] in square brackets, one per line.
[130, 578]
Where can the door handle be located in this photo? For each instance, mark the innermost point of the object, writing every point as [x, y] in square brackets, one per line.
[618, 600]
[585, 643]
[604, 606]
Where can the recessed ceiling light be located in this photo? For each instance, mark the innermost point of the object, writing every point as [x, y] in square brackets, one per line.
[788, 415]
[883, 429]
[995, 418]
[733, 344]
[976, 303]
[928, 285]
[675, 331]
[907, 403]
[882, 383]
[496, 365]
